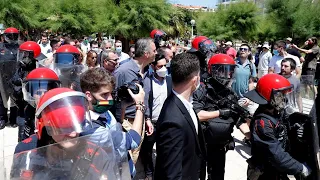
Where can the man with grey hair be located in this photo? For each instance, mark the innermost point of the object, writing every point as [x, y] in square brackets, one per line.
[109, 60]
[105, 47]
[134, 70]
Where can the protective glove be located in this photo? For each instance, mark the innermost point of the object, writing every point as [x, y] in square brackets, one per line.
[300, 130]
[225, 113]
[306, 171]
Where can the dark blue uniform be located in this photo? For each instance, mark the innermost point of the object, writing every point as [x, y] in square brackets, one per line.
[269, 139]
[8, 52]
[217, 134]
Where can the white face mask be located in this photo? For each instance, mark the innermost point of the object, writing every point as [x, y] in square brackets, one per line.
[162, 72]
[96, 49]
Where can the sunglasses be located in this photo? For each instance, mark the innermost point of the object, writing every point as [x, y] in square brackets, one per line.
[243, 49]
[108, 47]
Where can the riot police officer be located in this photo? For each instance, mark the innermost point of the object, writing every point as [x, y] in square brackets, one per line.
[270, 159]
[203, 48]
[8, 58]
[26, 59]
[217, 122]
[158, 35]
[37, 82]
[68, 66]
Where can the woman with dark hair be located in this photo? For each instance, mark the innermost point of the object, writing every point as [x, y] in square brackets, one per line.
[91, 61]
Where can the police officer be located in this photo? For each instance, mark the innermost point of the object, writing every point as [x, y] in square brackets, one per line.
[37, 82]
[8, 52]
[204, 48]
[269, 134]
[28, 52]
[217, 122]
[158, 35]
[68, 66]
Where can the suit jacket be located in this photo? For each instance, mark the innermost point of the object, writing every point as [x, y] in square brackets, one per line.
[180, 150]
[148, 89]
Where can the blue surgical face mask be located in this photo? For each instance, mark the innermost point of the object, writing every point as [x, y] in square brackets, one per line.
[118, 49]
[275, 52]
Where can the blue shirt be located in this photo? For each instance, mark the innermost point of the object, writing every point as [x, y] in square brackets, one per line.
[242, 74]
[112, 131]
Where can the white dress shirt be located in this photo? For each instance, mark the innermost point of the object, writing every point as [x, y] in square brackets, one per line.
[189, 107]
[159, 96]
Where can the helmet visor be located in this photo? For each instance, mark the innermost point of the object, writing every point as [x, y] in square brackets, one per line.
[11, 37]
[24, 55]
[222, 71]
[283, 98]
[34, 89]
[206, 46]
[66, 59]
[66, 115]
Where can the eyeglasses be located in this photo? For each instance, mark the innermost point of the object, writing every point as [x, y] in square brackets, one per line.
[244, 49]
[108, 47]
[113, 59]
[132, 52]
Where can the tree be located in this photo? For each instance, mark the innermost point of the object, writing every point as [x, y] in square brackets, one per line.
[17, 13]
[237, 21]
[137, 18]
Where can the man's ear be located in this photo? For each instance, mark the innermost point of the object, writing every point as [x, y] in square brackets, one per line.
[89, 96]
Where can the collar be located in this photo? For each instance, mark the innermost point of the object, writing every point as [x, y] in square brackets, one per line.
[240, 63]
[95, 116]
[157, 81]
[187, 104]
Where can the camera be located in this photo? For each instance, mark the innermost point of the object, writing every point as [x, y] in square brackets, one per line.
[122, 93]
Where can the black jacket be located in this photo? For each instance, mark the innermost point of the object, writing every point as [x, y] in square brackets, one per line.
[267, 146]
[180, 150]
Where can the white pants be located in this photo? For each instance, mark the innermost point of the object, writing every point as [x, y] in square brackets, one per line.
[262, 73]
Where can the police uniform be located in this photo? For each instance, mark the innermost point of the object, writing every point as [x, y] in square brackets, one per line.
[269, 140]
[91, 162]
[217, 133]
[8, 52]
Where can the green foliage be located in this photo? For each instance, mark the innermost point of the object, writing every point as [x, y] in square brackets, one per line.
[130, 18]
[237, 21]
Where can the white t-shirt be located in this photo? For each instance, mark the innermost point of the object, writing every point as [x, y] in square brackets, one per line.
[264, 60]
[45, 49]
[275, 62]
[123, 56]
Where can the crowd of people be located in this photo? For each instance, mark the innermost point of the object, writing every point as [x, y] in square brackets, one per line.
[88, 110]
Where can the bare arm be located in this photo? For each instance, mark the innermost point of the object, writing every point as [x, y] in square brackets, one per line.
[307, 51]
[206, 115]
[298, 72]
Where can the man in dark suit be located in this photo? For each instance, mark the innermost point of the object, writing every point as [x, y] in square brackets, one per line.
[180, 141]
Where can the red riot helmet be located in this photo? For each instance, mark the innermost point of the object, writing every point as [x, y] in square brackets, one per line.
[11, 35]
[67, 55]
[61, 111]
[157, 35]
[203, 44]
[29, 49]
[37, 82]
[272, 89]
[221, 67]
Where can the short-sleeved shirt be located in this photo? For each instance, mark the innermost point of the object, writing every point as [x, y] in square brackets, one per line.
[311, 58]
[126, 73]
[264, 60]
[242, 74]
[275, 62]
[294, 52]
